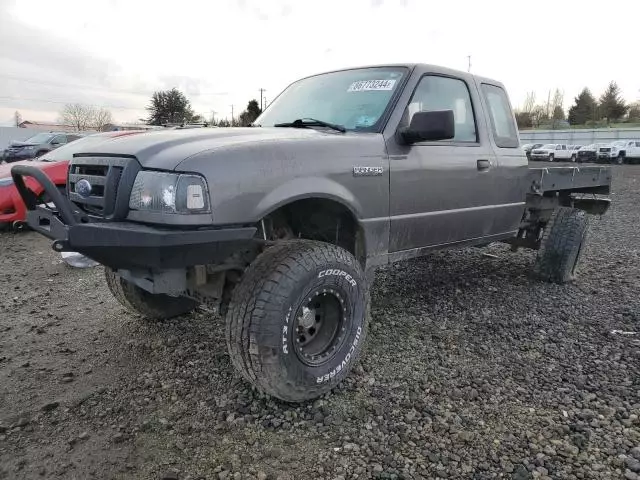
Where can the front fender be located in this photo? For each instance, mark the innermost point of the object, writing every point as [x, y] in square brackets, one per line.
[302, 188]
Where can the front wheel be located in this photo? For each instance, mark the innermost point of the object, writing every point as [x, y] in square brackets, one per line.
[573, 158]
[298, 319]
[619, 160]
[561, 246]
[551, 158]
[149, 305]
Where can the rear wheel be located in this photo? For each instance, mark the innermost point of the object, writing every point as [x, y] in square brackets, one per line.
[561, 246]
[149, 305]
[298, 319]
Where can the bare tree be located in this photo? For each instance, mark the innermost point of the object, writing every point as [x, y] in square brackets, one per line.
[78, 116]
[529, 103]
[17, 117]
[557, 100]
[101, 118]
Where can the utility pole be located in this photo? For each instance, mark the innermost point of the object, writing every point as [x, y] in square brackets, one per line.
[262, 90]
[468, 63]
[232, 117]
[265, 103]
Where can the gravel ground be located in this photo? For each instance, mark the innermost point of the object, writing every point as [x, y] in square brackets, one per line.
[473, 370]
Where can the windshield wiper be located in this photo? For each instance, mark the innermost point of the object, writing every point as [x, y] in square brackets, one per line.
[311, 122]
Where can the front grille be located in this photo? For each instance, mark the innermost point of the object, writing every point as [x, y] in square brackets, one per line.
[605, 150]
[106, 197]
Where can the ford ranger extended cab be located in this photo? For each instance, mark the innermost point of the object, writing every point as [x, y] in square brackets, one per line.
[281, 226]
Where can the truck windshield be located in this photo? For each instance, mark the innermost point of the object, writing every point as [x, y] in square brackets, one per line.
[355, 99]
[549, 146]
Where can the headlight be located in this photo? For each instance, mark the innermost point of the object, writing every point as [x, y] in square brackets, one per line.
[169, 193]
[29, 149]
[5, 182]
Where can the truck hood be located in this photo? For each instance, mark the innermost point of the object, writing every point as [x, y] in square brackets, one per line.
[166, 149]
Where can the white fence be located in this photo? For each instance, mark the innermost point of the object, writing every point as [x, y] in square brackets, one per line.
[9, 134]
[579, 136]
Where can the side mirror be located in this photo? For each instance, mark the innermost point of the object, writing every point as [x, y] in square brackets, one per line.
[429, 126]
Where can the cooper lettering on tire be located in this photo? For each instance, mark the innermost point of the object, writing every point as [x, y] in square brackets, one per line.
[298, 319]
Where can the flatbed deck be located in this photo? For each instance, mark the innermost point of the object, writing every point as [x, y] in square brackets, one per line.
[578, 179]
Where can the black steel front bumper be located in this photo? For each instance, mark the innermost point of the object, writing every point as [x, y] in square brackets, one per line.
[125, 245]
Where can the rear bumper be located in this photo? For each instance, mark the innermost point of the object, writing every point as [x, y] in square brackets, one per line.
[124, 245]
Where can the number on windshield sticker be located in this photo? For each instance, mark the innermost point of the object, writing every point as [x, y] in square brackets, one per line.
[368, 85]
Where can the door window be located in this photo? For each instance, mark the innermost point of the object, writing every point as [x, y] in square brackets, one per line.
[59, 139]
[445, 93]
[504, 130]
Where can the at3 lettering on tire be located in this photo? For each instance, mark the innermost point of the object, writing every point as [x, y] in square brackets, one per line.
[298, 320]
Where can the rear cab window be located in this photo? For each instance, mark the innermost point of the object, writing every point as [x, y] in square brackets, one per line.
[503, 126]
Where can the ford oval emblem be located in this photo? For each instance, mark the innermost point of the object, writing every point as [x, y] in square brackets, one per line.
[83, 188]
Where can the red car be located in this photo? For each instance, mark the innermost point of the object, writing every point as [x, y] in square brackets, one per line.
[13, 211]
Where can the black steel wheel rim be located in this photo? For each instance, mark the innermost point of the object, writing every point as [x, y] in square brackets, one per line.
[320, 325]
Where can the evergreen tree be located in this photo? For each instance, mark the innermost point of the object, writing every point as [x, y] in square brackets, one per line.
[170, 106]
[612, 106]
[584, 109]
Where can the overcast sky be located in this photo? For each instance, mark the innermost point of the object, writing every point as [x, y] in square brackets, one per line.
[115, 53]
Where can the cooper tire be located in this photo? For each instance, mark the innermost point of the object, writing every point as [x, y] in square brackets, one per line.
[561, 246]
[266, 336]
[150, 306]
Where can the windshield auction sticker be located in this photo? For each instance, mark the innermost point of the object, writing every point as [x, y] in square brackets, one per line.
[368, 85]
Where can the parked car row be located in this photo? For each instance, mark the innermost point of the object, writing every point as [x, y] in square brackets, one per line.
[37, 145]
[618, 152]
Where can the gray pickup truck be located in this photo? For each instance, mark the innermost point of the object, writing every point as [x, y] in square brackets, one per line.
[281, 226]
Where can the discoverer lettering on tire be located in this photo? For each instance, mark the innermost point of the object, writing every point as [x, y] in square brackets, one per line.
[285, 333]
[341, 366]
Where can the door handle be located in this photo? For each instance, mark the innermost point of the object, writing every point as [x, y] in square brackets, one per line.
[484, 165]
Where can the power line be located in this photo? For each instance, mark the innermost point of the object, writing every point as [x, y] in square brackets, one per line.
[6, 97]
[105, 89]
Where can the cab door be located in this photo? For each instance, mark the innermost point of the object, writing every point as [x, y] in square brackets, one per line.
[444, 192]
